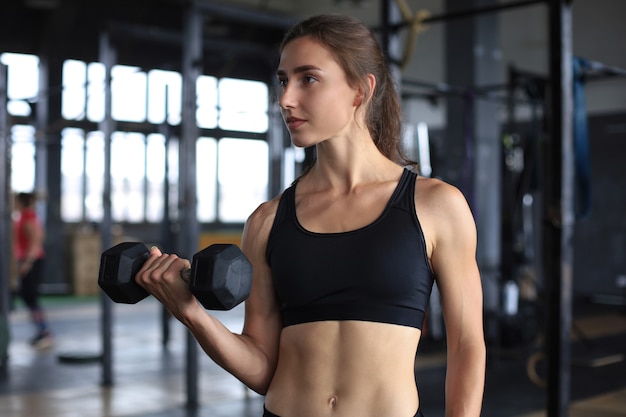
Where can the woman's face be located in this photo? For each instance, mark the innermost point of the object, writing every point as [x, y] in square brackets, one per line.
[315, 99]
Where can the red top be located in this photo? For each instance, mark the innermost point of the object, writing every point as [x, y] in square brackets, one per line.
[22, 242]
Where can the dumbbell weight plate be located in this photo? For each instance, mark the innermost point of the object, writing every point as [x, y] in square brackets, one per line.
[221, 277]
[118, 266]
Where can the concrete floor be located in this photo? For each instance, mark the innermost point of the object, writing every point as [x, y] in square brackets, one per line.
[149, 380]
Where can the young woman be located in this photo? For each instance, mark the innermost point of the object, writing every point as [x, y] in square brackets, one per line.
[344, 260]
[29, 253]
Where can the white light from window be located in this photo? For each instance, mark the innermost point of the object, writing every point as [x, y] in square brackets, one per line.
[155, 174]
[72, 165]
[243, 105]
[22, 158]
[128, 94]
[243, 177]
[23, 75]
[95, 91]
[206, 178]
[206, 100]
[164, 95]
[127, 174]
[73, 99]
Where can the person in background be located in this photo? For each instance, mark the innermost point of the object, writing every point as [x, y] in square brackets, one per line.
[345, 258]
[28, 235]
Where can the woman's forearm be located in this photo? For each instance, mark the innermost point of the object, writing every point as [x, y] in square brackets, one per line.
[465, 380]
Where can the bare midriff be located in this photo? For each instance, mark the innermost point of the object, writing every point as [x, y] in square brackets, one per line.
[345, 369]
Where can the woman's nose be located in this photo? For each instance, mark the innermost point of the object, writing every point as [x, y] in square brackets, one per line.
[286, 99]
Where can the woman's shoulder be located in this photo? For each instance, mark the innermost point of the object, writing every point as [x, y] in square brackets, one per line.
[441, 206]
[265, 212]
[260, 222]
[438, 194]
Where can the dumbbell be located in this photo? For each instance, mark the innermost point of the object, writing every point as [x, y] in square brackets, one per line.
[220, 276]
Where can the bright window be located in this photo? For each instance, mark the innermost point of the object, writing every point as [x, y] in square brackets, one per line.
[72, 168]
[231, 175]
[242, 177]
[22, 158]
[243, 105]
[206, 179]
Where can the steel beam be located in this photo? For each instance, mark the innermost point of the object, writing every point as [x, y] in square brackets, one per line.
[48, 170]
[124, 30]
[474, 11]
[246, 15]
[559, 208]
[5, 222]
[481, 10]
[187, 199]
[107, 126]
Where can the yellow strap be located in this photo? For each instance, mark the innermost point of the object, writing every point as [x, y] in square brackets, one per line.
[417, 26]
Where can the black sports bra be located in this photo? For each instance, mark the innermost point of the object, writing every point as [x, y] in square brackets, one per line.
[377, 273]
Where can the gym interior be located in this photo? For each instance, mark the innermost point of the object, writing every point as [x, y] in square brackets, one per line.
[156, 122]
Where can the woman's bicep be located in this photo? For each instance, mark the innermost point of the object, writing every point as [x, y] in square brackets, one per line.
[458, 277]
[262, 324]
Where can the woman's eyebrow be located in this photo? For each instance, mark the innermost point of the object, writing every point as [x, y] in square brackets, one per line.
[302, 68]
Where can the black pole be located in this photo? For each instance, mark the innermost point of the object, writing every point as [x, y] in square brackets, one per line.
[107, 58]
[481, 10]
[558, 209]
[5, 223]
[188, 238]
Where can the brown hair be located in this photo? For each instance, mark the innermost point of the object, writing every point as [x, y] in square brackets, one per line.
[357, 51]
[26, 199]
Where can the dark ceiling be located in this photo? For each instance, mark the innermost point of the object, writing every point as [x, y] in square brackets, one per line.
[238, 42]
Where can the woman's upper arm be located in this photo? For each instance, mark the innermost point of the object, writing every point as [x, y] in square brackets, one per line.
[453, 260]
[262, 323]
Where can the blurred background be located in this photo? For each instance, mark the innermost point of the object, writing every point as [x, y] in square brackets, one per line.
[156, 121]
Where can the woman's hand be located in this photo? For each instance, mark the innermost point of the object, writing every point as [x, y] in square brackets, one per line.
[161, 276]
[24, 267]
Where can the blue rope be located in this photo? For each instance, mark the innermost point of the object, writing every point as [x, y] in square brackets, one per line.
[582, 176]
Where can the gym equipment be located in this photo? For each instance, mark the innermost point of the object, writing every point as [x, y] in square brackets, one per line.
[220, 276]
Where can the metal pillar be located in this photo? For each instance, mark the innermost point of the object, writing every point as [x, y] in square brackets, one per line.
[559, 208]
[42, 119]
[390, 40]
[487, 148]
[189, 234]
[472, 136]
[48, 169]
[5, 224]
[107, 57]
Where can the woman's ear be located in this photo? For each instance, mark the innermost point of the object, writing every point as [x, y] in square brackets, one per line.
[365, 91]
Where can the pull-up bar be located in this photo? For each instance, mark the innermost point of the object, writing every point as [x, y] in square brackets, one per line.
[467, 13]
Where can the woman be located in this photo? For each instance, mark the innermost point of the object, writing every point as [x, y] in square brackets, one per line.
[29, 253]
[345, 258]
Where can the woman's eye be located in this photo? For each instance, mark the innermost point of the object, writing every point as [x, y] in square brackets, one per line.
[308, 79]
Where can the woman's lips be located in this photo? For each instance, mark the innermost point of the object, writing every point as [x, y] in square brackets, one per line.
[294, 122]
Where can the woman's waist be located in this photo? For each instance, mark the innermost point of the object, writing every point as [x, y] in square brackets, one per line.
[342, 383]
[343, 366]
[297, 395]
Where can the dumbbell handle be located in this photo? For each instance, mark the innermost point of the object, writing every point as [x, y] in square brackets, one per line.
[185, 274]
